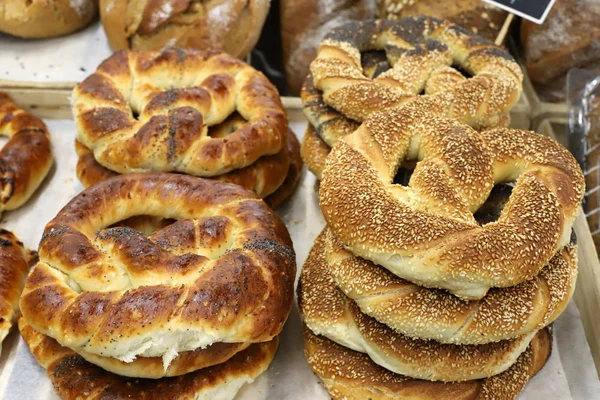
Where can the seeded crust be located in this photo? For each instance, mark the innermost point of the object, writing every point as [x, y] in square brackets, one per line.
[314, 151]
[151, 111]
[26, 158]
[294, 173]
[223, 272]
[352, 375]
[421, 52]
[75, 378]
[328, 312]
[425, 232]
[14, 266]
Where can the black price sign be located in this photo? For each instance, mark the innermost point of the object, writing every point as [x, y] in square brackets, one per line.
[533, 10]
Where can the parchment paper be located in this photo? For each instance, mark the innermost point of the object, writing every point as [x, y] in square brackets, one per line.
[569, 374]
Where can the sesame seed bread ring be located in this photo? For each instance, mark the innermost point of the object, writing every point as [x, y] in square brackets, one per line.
[222, 272]
[351, 375]
[328, 312]
[314, 151]
[425, 232]
[73, 378]
[426, 56]
[150, 111]
[14, 266]
[26, 158]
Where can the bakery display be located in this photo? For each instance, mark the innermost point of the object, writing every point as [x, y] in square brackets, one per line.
[14, 266]
[233, 26]
[26, 158]
[304, 23]
[189, 111]
[35, 19]
[481, 18]
[366, 66]
[568, 38]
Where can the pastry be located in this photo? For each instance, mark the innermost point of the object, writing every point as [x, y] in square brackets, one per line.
[425, 232]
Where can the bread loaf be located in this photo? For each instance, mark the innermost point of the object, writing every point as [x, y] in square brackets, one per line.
[230, 25]
[304, 23]
[569, 38]
[45, 18]
[475, 15]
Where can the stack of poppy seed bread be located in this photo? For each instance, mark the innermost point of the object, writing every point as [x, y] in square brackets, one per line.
[447, 254]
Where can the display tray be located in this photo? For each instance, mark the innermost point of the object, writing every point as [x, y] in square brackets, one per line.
[569, 374]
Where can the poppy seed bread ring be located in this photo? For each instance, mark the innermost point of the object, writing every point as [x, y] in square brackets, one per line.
[425, 232]
[222, 272]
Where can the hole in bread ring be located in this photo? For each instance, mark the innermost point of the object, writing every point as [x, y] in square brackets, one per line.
[425, 232]
[223, 272]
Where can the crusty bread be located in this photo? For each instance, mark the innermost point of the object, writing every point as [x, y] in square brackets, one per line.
[304, 23]
[350, 375]
[425, 232]
[74, 378]
[27, 157]
[178, 95]
[14, 266]
[223, 272]
[292, 179]
[569, 38]
[483, 19]
[328, 312]
[314, 151]
[233, 26]
[46, 18]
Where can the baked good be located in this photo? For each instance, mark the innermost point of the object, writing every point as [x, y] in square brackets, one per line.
[222, 273]
[304, 23]
[45, 18]
[314, 151]
[144, 111]
[14, 266]
[233, 26]
[590, 115]
[74, 378]
[425, 232]
[328, 312]
[481, 18]
[351, 375]
[568, 38]
[26, 158]
[292, 179]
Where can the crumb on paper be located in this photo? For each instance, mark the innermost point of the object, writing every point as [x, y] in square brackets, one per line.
[82, 69]
[68, 180]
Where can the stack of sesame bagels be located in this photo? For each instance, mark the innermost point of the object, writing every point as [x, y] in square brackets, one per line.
[192, 310]
[448, 250]
[202, 113]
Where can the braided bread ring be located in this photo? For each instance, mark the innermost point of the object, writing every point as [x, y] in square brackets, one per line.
[425, 232]
[26, 159]
[421, 52]
[223, 272]
[328, 312]
[178, 95]
[14, 266]
[350, 375]
[73, 378]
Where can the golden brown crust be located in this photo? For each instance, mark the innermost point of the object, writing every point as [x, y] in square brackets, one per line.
[422, 52]
[314, 151]
[14, 266]
[42, 19]
[223, 272]
[294, 173]
[425, 232]
[73, 377]
[351, 375]
[178, 95]
[233, 26]
[26, 159]
[328, 312]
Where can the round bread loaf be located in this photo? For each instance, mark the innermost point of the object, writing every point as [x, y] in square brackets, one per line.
[74, 378]
[14, 266]
[233, 26]
[45, 18]
[476, 82]
[425, 232]
[26, 158]
[352, 375]
[222, 272]
[328, 312]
